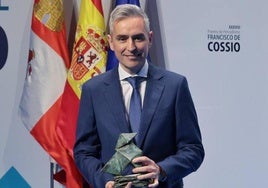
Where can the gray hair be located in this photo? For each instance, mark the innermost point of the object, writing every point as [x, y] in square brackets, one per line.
[128, 10]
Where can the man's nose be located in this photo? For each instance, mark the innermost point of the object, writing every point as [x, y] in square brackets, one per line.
[131, 46]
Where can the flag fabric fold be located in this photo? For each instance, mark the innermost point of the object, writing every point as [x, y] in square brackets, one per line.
[88, 60]
[44, 83]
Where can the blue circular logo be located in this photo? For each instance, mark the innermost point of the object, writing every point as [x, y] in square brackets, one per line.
[3, 48]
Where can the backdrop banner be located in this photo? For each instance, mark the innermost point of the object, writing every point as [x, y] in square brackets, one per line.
[220, 46]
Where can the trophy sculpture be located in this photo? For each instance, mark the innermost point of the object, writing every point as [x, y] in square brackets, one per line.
[126, 151]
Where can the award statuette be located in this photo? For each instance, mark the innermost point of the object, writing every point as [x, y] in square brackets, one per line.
[126, 151]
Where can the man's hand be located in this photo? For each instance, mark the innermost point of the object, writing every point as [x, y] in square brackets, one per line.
[149, 170]
[110, 184]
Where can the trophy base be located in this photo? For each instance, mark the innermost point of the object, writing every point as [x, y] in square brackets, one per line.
[122, 181]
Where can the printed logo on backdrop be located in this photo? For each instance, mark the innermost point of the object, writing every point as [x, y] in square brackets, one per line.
[224, 40]
[3, 40]
[3, 7]
[3, 47]
[12, 178]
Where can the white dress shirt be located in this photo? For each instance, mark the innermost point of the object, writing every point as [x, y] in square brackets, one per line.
[127, 88]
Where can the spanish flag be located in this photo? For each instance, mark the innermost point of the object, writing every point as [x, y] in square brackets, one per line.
[44, 83]
[88, 60]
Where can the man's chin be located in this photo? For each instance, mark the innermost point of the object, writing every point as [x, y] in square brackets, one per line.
[135, 58]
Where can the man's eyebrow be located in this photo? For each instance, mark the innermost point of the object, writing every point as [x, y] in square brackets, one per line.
[133, 36]
[118, 36]
[138, 35]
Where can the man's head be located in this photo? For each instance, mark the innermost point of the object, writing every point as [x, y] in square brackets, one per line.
[130, 36]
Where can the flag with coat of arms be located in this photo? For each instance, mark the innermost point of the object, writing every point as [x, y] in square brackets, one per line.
[44, 84]
[88, 60]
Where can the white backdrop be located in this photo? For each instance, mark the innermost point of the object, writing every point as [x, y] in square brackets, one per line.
[229, 88]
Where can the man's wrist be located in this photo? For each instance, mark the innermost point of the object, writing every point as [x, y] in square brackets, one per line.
[162, 175]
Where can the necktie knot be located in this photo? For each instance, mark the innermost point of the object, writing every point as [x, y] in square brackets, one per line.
[135, 81]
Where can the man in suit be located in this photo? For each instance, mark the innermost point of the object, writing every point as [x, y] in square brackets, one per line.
[168, 132]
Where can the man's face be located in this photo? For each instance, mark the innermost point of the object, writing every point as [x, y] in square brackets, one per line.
[131, 42]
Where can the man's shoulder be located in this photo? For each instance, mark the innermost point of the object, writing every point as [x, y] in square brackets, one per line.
[164, 73]
[104, 77]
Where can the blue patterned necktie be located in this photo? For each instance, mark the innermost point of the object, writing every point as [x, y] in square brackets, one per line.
[135, 104]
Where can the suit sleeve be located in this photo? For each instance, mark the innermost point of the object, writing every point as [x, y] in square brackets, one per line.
[190, 152]
[87, 146]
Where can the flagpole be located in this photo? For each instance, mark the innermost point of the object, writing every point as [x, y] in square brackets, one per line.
[52, 169]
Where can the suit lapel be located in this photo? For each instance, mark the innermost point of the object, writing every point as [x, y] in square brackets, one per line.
[113, 96]
[154, 90]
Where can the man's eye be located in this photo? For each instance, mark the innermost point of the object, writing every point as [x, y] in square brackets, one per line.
[139, 38]
[121, 38]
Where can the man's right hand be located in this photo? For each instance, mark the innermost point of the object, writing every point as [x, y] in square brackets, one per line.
[110, 184]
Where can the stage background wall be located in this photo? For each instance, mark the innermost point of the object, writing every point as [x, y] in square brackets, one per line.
[229, 88]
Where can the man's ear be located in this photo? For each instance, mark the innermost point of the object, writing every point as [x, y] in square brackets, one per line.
[109, 38]
[150, 38]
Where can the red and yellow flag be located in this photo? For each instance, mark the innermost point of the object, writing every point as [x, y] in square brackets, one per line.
[88, 60]
[44, 84]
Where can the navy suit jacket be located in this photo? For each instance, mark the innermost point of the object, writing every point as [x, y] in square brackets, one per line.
[169, 130]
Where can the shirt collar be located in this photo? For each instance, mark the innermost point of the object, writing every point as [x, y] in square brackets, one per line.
[123, 74]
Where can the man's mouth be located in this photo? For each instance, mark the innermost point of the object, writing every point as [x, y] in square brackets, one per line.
[133, 55]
